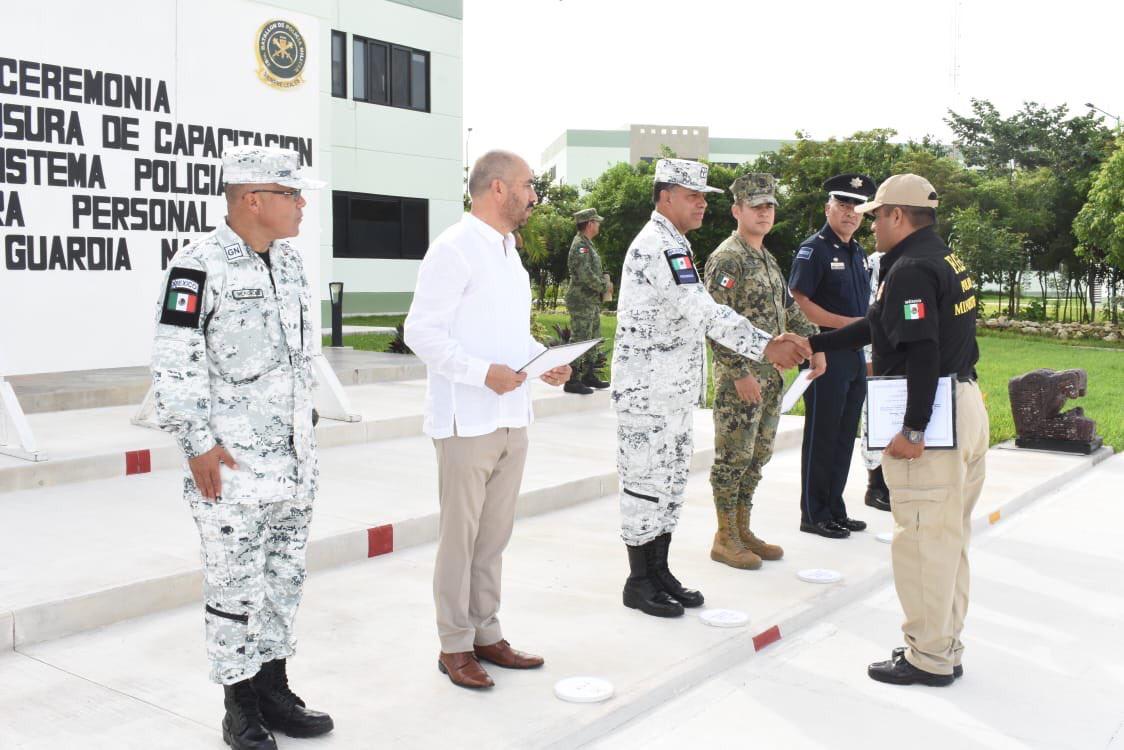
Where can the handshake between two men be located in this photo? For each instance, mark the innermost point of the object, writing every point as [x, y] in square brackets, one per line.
[783, 352]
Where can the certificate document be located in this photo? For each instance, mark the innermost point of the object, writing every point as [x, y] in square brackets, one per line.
[885, 411]
[556, 356]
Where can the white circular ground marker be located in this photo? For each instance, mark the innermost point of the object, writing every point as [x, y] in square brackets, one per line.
[583, 689]
[724, 618]
[820, 575]
[885, 537]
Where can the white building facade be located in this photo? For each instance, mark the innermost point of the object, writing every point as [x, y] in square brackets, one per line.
[391, 123]
[580, 155]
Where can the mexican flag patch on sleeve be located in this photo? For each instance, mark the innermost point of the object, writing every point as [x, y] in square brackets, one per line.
[726, 282]
[913, 309]
[183, 297]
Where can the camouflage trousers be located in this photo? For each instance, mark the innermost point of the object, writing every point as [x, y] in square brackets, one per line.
[653, 460]
[744, 434]
[585, 324]
[253, 573]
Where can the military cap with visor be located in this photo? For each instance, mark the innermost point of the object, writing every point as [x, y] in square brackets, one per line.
[684, 172]
[263, 165]
[850, 188]
[755, 188]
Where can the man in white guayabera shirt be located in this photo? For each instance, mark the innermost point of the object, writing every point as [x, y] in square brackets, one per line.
[470, 324]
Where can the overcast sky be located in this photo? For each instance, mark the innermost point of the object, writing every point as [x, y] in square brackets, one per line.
[747, 69]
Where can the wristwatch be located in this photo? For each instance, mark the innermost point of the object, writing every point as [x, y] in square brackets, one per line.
[913, 436]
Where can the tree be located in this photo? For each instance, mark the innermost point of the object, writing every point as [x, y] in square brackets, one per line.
[1099, 225]
[801, 169]
[547, 236]
[990, 250]
[1037, 137]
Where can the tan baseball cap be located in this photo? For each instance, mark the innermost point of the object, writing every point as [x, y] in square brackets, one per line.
[902, 190]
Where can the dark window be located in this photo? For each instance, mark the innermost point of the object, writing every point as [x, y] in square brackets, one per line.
[339, 64]
[394, 75]
[379, 226]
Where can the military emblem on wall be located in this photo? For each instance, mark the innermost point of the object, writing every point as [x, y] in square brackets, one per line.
[281, 53]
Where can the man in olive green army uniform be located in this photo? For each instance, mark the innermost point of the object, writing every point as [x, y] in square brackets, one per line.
[583, 299]
[744, 276]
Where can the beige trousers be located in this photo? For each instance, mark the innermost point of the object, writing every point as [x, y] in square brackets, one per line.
[932, 499]
[478, 483]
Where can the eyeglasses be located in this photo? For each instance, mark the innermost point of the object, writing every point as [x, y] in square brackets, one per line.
[294, 194]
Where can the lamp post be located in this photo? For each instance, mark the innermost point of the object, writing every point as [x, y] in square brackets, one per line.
[1090, 105]
[335, 293]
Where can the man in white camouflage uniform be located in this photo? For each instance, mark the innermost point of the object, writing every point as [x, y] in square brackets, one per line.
[232, 379]
[659, 369]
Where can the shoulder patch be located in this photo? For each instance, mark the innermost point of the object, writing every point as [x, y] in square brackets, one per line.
[183, 298]
[727, 282]
[804, 253]
[682, 267]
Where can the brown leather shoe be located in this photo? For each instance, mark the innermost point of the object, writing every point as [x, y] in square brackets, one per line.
[464, 670]
[503, 655]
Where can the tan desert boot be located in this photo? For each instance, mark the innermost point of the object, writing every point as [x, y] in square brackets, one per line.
[762, 549]
[728, 547]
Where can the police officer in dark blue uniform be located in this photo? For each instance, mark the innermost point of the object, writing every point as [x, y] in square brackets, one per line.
[831, 284]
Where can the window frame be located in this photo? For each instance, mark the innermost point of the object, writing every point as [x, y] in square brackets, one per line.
[344, 232]
[341, 35]
[388, 50]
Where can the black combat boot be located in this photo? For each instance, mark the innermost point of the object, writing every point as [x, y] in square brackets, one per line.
[282, 709]
[641, 591]
[243, 727]
[668, 582]
[877, 493]
[590, 378]
[575, 385]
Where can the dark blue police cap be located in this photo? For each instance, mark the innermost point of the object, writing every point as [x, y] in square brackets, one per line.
[850, 187]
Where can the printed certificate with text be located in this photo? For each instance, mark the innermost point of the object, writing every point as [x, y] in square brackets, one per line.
[885, 412]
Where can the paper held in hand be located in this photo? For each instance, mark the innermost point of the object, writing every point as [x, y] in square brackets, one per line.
[885, 412]
[556, 356]
[796, 390]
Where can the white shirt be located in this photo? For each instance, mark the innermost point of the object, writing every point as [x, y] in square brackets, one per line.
[471, 309]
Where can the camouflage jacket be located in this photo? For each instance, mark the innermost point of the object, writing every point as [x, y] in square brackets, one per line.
[232, 363]
[585, 269]
[751, 283]
[664, 312]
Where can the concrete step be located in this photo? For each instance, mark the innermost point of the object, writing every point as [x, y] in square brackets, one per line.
[368, 644]
[100, 443]
[122, 386]
[124, 547]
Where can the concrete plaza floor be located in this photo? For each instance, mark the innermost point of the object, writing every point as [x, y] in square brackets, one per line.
[368, 642]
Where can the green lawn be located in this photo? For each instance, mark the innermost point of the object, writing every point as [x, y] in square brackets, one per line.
[1002, 356]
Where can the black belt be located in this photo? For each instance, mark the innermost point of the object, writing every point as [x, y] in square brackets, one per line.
[965, 378]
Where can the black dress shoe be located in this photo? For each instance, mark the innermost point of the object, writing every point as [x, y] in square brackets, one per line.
[825, 528]
[875, 498]
[957, 671]
[850, 524]
[898, 671]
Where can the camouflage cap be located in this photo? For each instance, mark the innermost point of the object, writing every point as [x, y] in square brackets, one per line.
[689, 174]
[587, 214]
[258, 165]
[755, 188]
